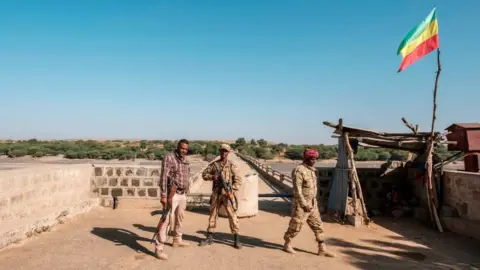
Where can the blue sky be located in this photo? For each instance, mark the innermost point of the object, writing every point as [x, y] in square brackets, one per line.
[227, 69]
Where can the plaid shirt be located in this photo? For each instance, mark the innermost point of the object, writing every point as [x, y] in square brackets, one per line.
[174, 171]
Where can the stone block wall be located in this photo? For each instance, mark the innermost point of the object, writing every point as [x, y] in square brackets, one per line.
[125, 181]
[374, 185]
[34, 199]
[131, 182]
[462, 191]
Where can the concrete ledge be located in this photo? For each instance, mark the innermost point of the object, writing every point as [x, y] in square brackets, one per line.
[34, 199]
[463, 226]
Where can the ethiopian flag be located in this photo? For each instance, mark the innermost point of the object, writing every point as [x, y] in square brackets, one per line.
[420, 41]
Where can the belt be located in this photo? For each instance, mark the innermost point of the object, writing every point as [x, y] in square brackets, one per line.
[180, 191]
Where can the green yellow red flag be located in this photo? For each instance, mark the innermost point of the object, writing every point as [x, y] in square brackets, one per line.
[420, 41]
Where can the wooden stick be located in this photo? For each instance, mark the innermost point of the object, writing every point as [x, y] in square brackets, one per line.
[356, 181]
[430, 188]
[352, 182]
[439, 69]
[415, 132]
[410, 126]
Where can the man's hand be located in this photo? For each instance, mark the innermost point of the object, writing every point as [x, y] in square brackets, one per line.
[214, 177]
[307, 208]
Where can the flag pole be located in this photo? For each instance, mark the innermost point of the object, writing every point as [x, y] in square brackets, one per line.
[430, 188]
[439, 69]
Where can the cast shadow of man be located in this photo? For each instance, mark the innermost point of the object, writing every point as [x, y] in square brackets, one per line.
[123, 237]
[248, 241]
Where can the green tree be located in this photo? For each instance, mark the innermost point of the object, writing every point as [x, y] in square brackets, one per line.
[240, 141]
[143, 145]
[263, 153]
[262, 143]
[294, 153]
[196, 148]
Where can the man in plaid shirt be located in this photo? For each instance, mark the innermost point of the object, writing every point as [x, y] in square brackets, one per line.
[175, 171]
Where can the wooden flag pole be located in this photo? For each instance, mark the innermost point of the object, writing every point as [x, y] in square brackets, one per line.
[439, 69]
[428, 184]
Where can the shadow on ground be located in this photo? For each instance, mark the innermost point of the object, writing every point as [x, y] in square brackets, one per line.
[275, 206]
[224, 239]
[122, 237]
[433, 250]
[247, 241]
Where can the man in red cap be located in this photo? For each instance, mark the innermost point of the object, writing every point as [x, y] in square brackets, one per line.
[305, 205]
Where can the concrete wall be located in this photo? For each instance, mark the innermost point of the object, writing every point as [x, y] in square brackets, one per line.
[462, 191]
[34, 199]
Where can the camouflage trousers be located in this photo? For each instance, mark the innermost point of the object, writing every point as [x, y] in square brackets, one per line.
[299, 216]
[216, 201]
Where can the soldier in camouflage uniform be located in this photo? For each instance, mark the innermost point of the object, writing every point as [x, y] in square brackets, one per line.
[232, 177]
[305, 205]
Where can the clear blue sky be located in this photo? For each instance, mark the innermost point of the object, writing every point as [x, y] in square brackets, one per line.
[225, 69]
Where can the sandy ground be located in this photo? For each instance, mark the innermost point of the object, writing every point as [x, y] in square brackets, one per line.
[120, 239]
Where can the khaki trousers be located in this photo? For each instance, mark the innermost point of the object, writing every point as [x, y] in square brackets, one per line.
[179, 205]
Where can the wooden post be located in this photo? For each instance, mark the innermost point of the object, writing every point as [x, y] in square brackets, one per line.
[429, 186]
[355, 182]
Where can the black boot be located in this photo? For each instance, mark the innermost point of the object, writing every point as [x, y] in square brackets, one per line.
[207, 241]
[237, 244]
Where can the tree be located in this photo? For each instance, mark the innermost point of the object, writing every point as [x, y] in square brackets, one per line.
[294, 154]
[143, 145]
[253, 142]
[263, 153]
[240, 141]
[262, 143]
[196, 148]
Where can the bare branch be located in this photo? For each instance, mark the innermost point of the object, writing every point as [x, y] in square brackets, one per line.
[410, 126]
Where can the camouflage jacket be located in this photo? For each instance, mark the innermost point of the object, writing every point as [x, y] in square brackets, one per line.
[304, 180]
[230, 173]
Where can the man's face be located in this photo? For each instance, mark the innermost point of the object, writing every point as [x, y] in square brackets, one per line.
[183, 149]
[310, 161]
[223, 153]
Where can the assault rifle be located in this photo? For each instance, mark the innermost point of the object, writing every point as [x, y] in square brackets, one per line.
[228, 190]
[166, 213]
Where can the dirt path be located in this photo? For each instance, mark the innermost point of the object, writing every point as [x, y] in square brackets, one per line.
[120, 239]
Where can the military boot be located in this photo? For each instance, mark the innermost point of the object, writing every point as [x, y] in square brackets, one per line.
[322, 250]
[178, 242]
[237, 244]
[207, 241]
[287, 247]
[160, 254]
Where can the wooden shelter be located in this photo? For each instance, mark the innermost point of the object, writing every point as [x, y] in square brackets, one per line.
[420, 143]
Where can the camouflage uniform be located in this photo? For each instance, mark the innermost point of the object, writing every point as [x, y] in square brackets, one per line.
[304, 194]
[232, 176]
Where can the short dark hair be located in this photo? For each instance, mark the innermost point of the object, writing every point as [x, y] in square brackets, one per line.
[182, 141]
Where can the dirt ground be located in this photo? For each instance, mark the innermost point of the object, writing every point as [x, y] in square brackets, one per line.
[120, 239]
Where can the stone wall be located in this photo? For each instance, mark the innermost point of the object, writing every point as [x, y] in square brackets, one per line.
[131, 182]
[34, 199]
[462, 191]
